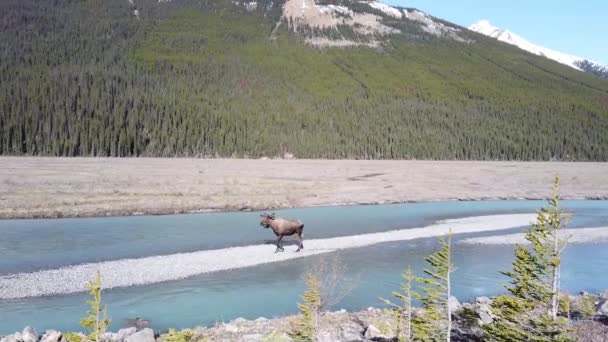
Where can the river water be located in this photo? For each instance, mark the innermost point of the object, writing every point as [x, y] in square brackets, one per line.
[271, 289]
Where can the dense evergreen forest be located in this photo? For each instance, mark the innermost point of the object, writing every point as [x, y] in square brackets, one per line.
[202, 78]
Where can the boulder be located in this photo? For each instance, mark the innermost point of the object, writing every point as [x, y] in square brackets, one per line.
[482, 307]
[602, 307]
[453, 304]
[372, 332]
[483, 301]
[51, 336]
[109, 337]
[485, 317]
[231, 328]
[9, 338]
[29, 334]
[347, 332]
[252, 338]
[138, 323]
[122, 334]
[145, 335]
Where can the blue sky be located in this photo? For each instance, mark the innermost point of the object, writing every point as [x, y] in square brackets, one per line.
[575, 27]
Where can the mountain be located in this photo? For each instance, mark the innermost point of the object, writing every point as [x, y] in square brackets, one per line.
[318, 79]
[485, 27]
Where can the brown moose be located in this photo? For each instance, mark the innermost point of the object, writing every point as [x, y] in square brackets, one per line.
[282, 227]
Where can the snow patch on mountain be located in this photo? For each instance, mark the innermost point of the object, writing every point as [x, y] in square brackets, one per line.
[486, 28]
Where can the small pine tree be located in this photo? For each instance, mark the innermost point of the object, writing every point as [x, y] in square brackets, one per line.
[96, 319]
[529, 312]
[304, 327]
[564, 305]
[587, 306]
[435, 322]
[401, 314]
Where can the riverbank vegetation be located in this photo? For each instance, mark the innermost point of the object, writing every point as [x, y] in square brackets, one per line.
[202, 78]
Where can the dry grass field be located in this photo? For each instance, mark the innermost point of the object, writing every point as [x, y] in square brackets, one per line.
[33, 187]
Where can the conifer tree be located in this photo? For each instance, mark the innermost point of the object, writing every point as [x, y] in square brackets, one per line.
[401, 314]
[435, 322]
[96, 320]
[304, 328]
[529, 311]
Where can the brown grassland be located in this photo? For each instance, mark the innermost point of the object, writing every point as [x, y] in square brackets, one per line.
[37, 187]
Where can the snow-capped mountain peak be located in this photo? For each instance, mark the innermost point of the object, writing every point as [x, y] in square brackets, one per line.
[486, 28]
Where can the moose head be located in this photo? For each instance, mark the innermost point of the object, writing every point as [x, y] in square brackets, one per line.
[266, 220]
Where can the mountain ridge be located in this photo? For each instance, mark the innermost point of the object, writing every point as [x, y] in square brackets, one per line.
[484, 27]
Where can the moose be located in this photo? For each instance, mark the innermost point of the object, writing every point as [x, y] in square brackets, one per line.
[282, 227]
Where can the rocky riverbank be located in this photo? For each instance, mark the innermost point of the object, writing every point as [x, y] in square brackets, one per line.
[588, 313]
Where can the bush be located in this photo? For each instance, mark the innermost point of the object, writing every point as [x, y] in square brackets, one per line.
[178, 336]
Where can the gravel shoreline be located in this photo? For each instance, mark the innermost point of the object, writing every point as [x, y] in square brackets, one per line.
[577, 235]
[155, 269]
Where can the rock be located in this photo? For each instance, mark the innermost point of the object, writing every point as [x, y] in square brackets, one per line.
[29, 335]
[372, 332]
[18, 336]
[347, 332]
[453, 304]
[583, 293]
[483, 301]
[109, 337]
[51, 336]
[122, 334]
[482, 308]
[231, 328]
[252, 338]
[485, 317]
[604, 294]
[145, 335]
[138, 323]
[239, 320]
[9, 338]
[261, 319]
[602, 307]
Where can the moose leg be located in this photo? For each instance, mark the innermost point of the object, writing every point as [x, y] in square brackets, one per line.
[279, 247]
[301, 242]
